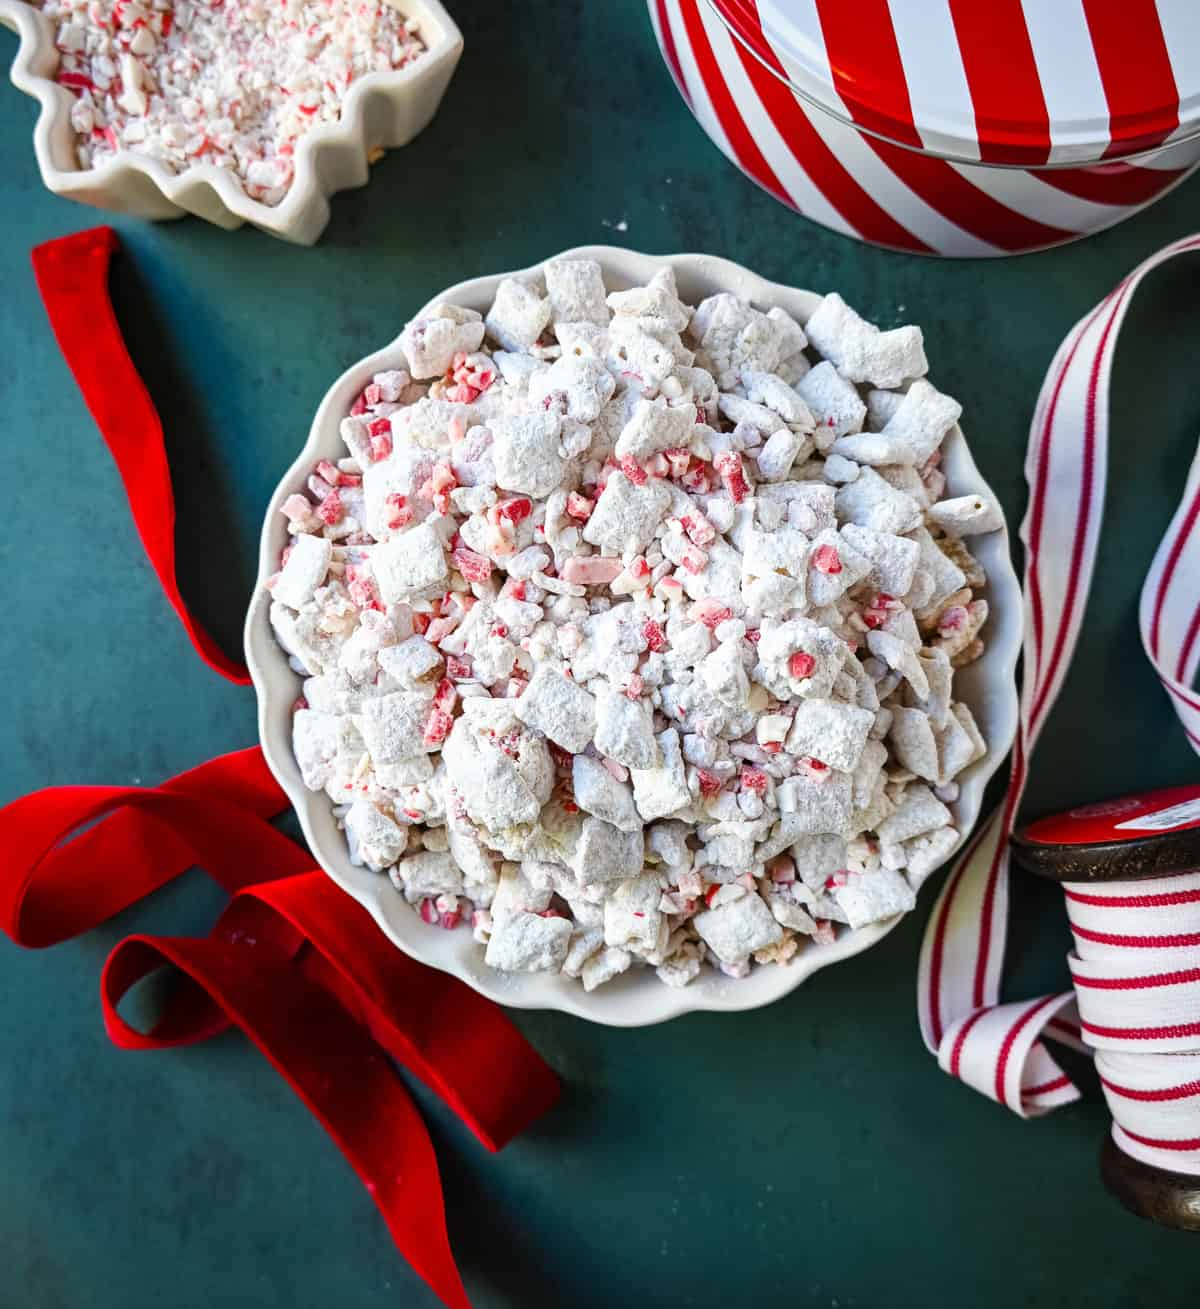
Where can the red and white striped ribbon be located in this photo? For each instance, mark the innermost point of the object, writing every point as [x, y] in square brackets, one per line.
[1136, 963]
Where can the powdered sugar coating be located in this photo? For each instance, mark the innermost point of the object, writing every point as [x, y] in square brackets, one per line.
[631, 732]
[233, 83]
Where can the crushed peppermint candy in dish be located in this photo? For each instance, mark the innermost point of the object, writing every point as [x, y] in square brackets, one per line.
[234, 83]
[237, 111]
[649, 629]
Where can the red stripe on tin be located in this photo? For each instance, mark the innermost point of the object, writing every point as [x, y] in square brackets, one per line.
[1112, 184]
[945, 189]
[670, 53]
[1137, 942]
[1133, 60]
[822, 166]
[749, 156]
[1011, 121]
[868, 75]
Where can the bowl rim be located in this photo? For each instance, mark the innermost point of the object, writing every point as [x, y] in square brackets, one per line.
[619, 1003]
[35, 33]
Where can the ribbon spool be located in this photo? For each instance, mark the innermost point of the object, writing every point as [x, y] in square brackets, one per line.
[1130, 871]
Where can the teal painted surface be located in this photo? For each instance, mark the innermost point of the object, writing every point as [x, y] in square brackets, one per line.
[809, 1153]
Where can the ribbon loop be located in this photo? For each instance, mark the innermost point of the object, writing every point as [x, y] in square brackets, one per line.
[1136, 966]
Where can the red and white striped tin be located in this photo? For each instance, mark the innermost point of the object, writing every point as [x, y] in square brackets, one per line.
[949, 127]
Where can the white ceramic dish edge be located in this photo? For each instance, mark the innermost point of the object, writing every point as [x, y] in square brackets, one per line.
[637, 998]
[383, 110]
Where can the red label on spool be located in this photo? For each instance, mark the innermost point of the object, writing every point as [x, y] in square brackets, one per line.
[1128, 818]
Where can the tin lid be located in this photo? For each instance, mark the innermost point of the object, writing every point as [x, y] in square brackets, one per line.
[1155, 834]
[1014, 83]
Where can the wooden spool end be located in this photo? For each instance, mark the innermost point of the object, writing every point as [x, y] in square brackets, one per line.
[1131, 839]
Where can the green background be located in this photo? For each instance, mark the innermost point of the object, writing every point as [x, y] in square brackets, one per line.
[810, 1152]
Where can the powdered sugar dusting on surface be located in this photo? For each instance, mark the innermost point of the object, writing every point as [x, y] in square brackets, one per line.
[232, 83]
[634, 643]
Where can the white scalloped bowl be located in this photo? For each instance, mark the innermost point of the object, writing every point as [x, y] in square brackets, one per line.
[380, 111]
[637, 997]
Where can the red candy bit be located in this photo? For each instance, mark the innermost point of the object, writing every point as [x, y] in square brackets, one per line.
[379, 427]
[429, 913]
[579, 507]
[328, 472]
[515, 511]
[420, 623]
[446, 695]
[473, 566]
[299, 703]
[515, 587]
[638, 567]
[633, 470]
[753, 635]
[837, 879]
[694, 559]
[825, 559]
[358, 407]
[76, 81]
[362, 588]
[710, 893]
[710, 783]
[729, 466]
[711, 613]
[397, 514]
[450, 919]
[801, 664]
[437, 725]
[498, 630]
[953, 620]
[330, 509]
[696, 479]
[753, 779]
[457, 667]
[635, 686]
[656, 638]
[772, 747]
[814, 768]
[373, 395]
[678, 457]
[699, 530]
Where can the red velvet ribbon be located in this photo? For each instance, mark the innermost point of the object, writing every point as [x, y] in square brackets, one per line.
[293, 961]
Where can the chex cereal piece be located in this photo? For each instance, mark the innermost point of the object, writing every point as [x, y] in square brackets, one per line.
[604, 853]
[735, 930]
[598, 792]
[860, 351]
[832, 732]
[411, 566]
[633, 657]
[575, 289]
[305, 570]
[922, 420]
[556, 707]
[834, 403]
[867, 897]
